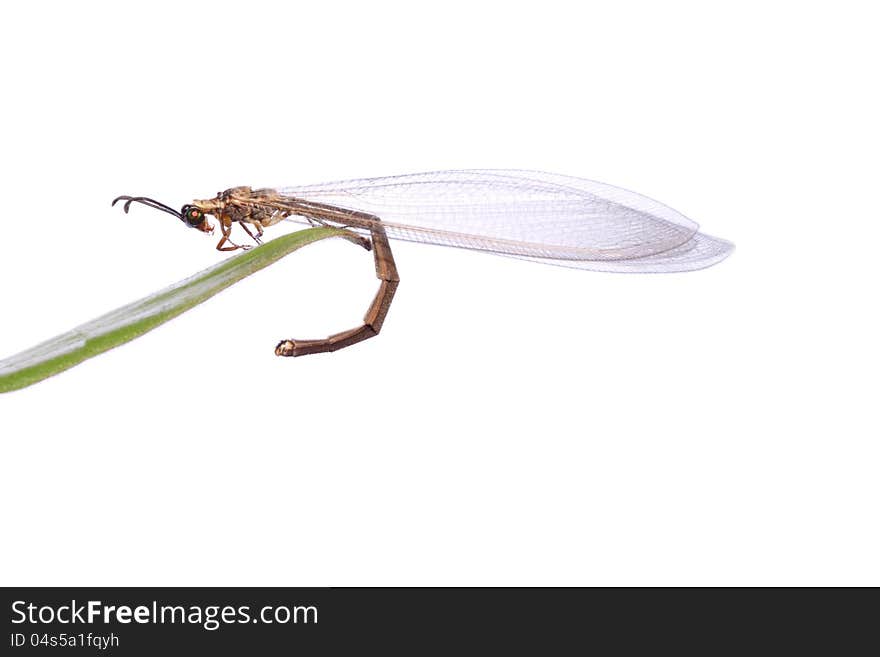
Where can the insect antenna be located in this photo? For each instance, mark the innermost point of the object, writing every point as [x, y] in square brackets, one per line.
[146, 201]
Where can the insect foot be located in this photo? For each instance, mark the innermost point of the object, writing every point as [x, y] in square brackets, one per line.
[285, 348]
[301, 347]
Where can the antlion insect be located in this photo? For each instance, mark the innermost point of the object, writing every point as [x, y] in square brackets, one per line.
[533, 215]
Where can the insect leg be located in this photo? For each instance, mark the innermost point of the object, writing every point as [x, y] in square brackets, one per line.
[226, 229]
[386, 272]
[255, 238]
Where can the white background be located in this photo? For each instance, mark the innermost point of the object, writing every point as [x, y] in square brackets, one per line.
[514, 423]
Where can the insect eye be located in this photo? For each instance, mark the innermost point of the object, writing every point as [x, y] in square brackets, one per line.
[193, 216]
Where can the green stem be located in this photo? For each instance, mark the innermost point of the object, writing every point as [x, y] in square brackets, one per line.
[129, 322]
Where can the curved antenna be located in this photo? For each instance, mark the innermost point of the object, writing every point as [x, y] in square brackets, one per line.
[148, 202]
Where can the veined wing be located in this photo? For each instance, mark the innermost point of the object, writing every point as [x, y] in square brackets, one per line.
[539, 216]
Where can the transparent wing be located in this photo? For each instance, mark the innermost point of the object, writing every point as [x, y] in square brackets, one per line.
[529, 214]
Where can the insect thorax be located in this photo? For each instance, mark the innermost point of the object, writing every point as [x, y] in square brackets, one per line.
[241, 204]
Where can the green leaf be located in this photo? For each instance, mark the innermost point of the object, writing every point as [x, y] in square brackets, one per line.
[129, 322]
